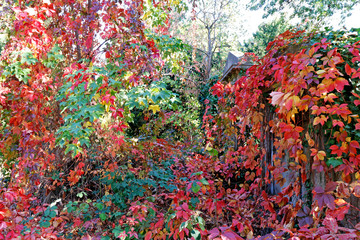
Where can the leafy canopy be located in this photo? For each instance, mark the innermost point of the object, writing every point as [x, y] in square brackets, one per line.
[306, 9]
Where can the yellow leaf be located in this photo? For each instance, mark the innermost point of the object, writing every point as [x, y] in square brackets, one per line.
[128, 75]
[154, 108]
[87, 124]
[320, 72]
[107, 107]
[296, 100]
[96, 96]
[321, 155]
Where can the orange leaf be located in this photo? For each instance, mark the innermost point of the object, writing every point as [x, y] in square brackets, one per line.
[330, 97]
[322, 119]
[299, 129]
[311, 51]
[313, 151]
[73, 178]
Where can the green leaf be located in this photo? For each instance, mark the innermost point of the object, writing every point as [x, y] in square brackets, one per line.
[71, 206]
[52, 214]
[151, 199]
[84, 207]
[213, 152]
[45, 224]
[334, 162]
[197, 174]
[195, 187]
[99, 206]
[117, 231]
[103, 216]
[203, 181]
[81, 194]
[184, 225]
[47, 212]
[28, 58]
[201, 222]
[196, 234]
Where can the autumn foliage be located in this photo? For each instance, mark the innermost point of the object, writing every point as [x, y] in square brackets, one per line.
[300, 105]
[279, 159]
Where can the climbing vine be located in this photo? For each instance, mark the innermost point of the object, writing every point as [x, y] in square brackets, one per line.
[296, 117]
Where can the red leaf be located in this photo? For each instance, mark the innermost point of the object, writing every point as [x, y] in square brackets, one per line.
[229, 235]
[289, 104]
[5, 212]
[323, 197]
[355, 94]
[218, 89]
[148, 235]
[81, 165]
[354, 144]
[331, 186]
[214, 233]
[86, 237]
[347, 236]
[338, 123]
[339, 83]
[10, 196]
[89, 41]
[319, 190]
[349, 70]
[329, 200]
[336, 150]
[331, 224]
[276, 67]
[357, 191]
[357, 226]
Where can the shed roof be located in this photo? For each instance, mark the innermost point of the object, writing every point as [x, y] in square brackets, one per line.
[233, 65]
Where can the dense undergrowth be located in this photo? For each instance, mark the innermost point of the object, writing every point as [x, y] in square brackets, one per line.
[100, 143]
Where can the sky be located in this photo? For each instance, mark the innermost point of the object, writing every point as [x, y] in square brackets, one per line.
[254, 18]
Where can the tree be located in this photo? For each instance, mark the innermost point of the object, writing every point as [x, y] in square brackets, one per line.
[264, 35]
[60, 88]
[208, 31]
[309, 9]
